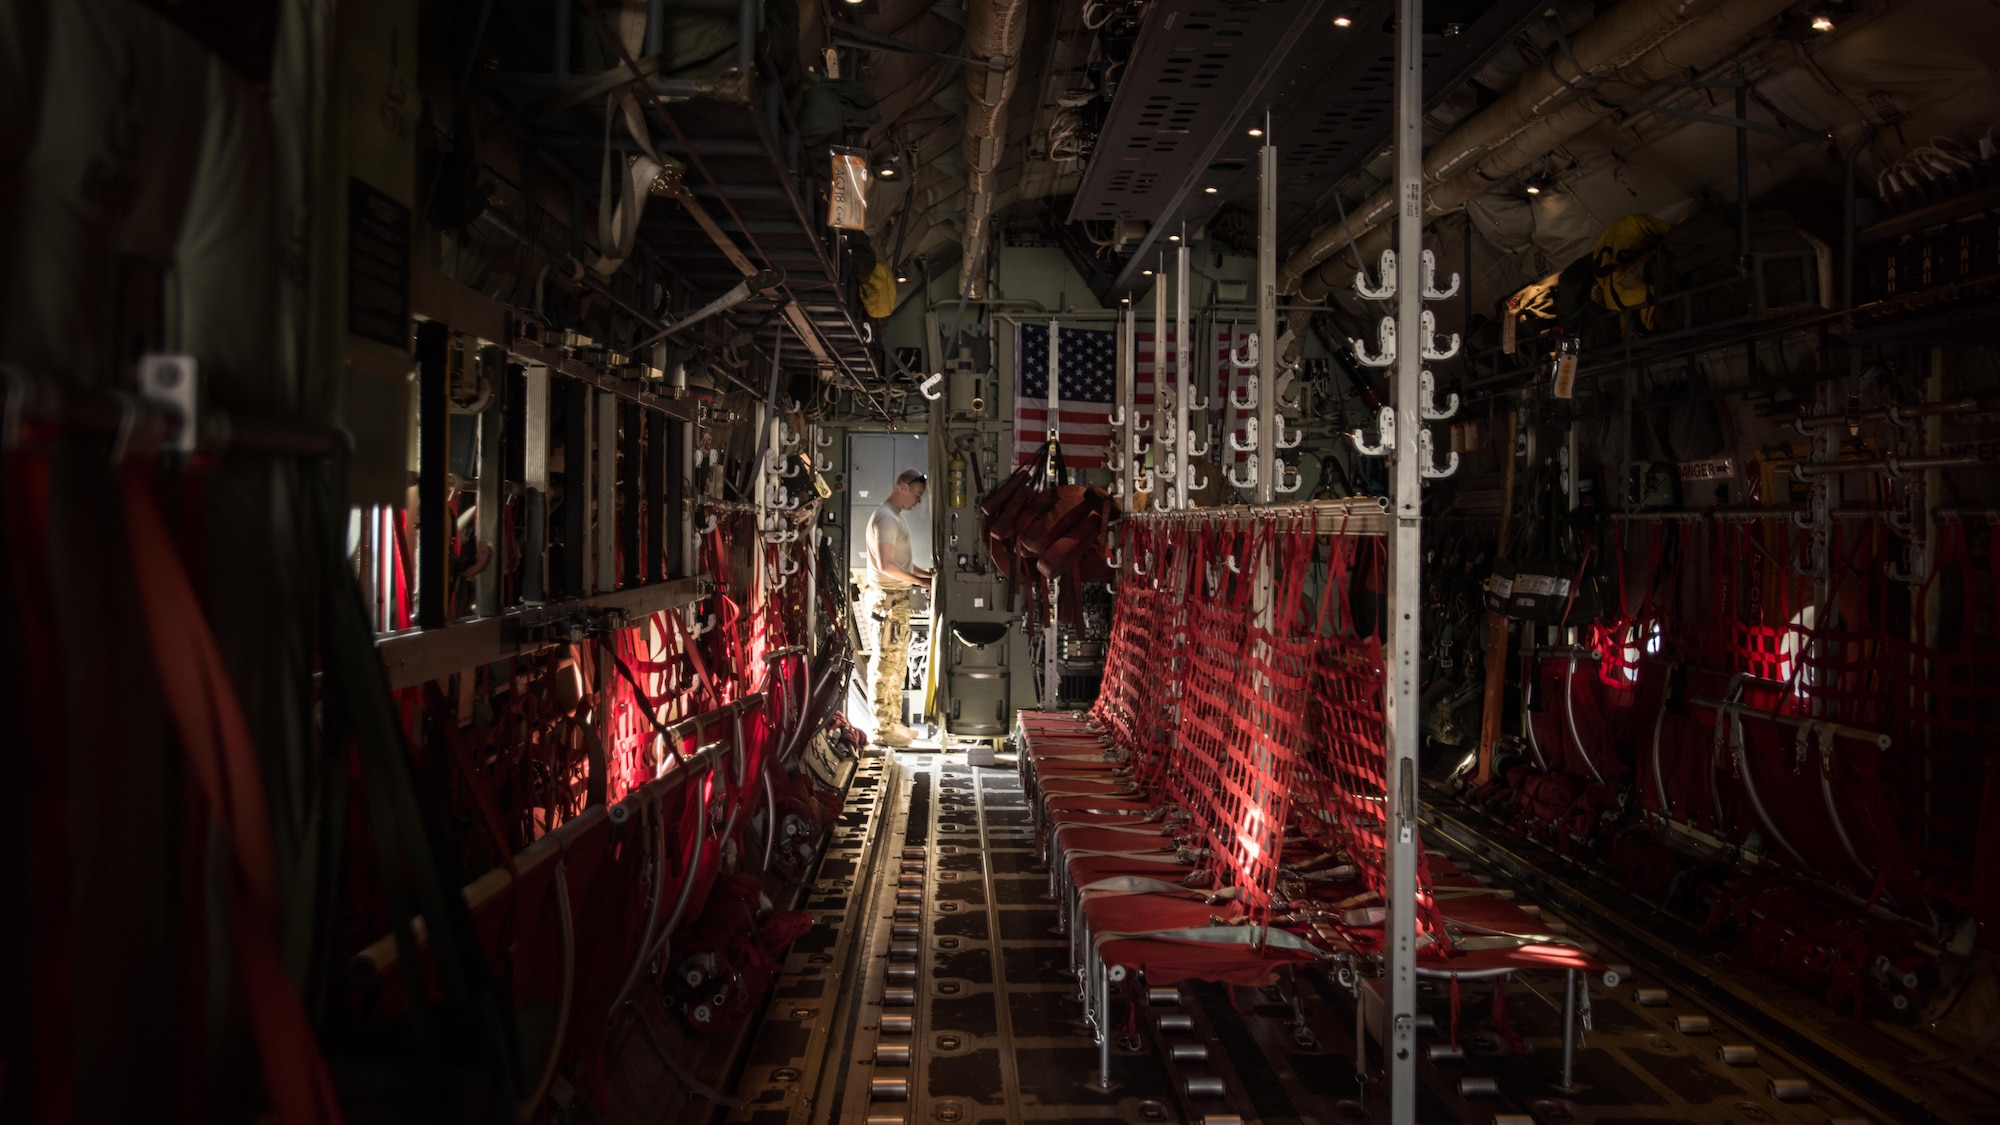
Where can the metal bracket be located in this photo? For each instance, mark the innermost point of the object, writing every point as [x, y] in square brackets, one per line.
[1117, 416]
[1239, 361]
[1247, 443]
[1242, 482]
[1385, 353]
[1431, 291]
[1428, 333]
[171, 381]
[1298, 435]
[1196, 405]
[1387, 425]
[1289, 479]
[1387, 271]
[1426, 454]
[929, 387]
[1194, 483]
[1916, 568]
[1429, 409]
[1247, 387]
[1196, 448]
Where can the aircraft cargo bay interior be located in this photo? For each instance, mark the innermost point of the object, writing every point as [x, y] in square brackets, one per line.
[1000, 562]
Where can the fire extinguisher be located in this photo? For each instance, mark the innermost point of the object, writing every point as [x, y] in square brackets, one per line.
[956, 478]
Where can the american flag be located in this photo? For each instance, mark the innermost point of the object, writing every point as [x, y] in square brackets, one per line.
[1089, 372]
[1088, 369]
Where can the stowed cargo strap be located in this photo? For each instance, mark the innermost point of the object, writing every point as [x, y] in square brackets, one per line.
[213, 735]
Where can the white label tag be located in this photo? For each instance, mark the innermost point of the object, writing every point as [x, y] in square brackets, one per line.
[1501, 585]
[847, 204]
[1715, 468]
[1565, 375]
[1541, 585]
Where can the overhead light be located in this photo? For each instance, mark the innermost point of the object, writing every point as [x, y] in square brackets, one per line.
[1534, 189]
[901, 278]
[1822, 23]
[1211, 189]
[1173, 238]
[886, 171]
[1255, 131]
[1145, 273]
[1342, 21]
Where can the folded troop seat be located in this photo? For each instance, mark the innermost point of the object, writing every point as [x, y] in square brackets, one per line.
[1216, 815]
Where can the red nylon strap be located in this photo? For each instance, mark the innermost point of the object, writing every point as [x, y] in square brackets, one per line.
[24, 489]
[212, 734]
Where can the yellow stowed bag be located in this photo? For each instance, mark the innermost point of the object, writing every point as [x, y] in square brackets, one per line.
[878, 291]
[1622, 252]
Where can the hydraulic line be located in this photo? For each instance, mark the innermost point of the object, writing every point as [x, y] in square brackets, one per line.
[568, 996]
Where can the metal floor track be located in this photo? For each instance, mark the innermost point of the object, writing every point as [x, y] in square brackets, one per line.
[940, 991]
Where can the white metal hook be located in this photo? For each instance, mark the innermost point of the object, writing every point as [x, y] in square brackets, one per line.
[786, 563]
[1248, 356]
[791, 469]
[1428, 333]
[1425, 454]
[1247, 388]
[786, 435]
[1298, 435]
[1195, 482]
[1916, 571]
[710, 528]
[824, 439]
[1431, 291]
[1197, 448]
[701, 627]
[1249, 481]
[1388, 274]
[1387, 424]
[1136, 568]
[1231, 560]
[1196, 403]
[1429, 387]
[778, 581]
[1117, 416]
[1385, 353]
[929, 387]
[1248, 442]
[1144, 481]
[1116, 559]
[1289, 479]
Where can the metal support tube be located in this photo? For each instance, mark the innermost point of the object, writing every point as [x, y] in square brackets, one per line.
[1267, 317]
[604, 492]
[433, 569]
[535, 486]
[1569, 1028]
[576, 488]
[1405, 590]
[1183, 372]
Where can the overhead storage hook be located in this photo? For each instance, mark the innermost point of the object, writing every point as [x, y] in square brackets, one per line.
[1428, 386]
[1431, 291]
[1426, 465]
[1428, 333]
[1385, 353]
[1387, 426]
[1246, 358]
[1247, 398]
[1387, 272]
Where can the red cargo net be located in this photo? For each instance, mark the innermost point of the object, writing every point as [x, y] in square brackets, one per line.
[1345, 752]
